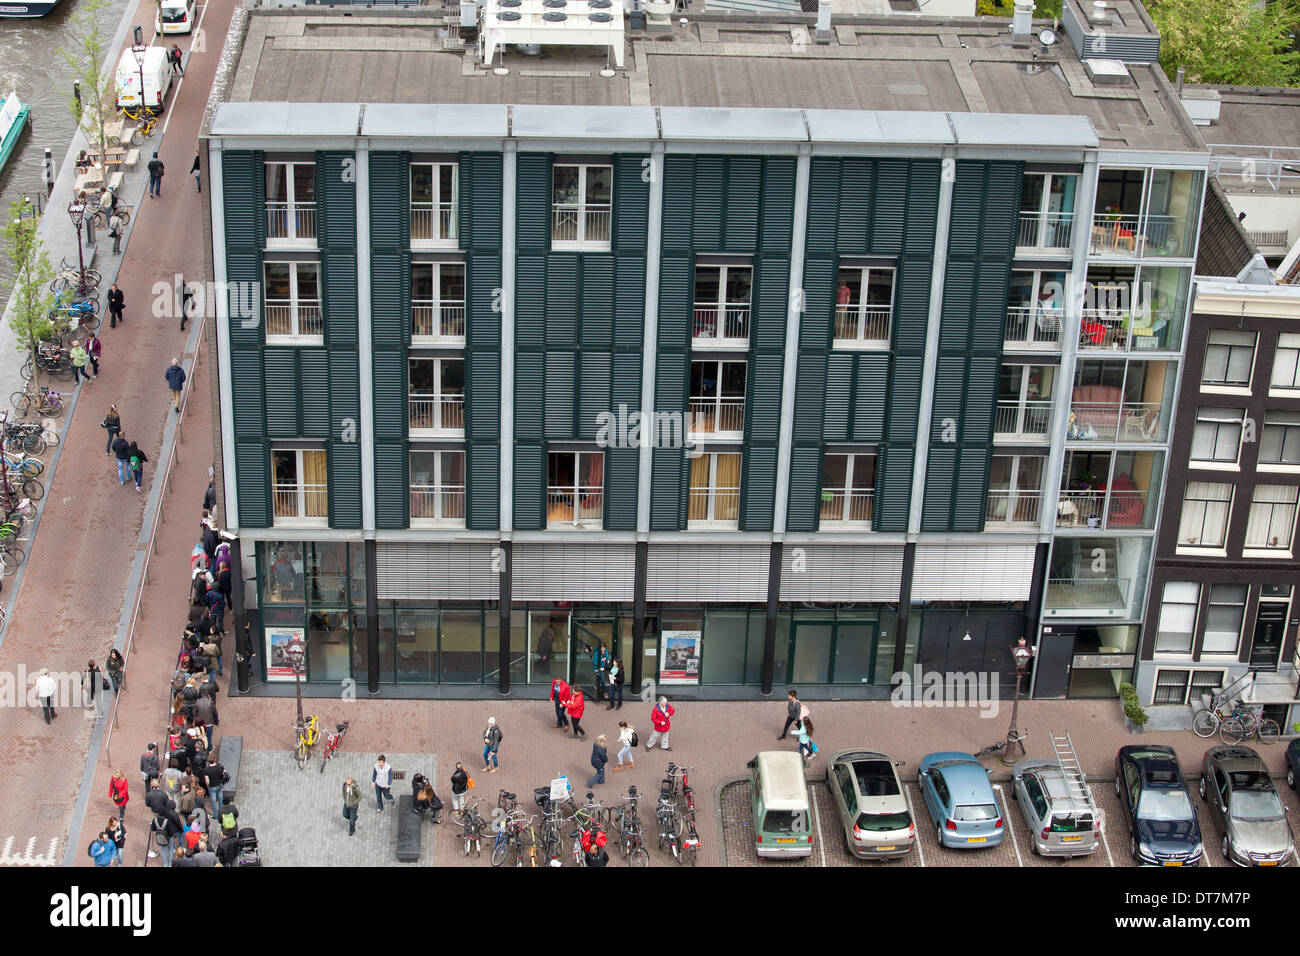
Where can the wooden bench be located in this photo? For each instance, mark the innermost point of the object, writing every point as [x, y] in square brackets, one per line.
[230, 751]
[132, 157]
[115, 181]
[408, 830]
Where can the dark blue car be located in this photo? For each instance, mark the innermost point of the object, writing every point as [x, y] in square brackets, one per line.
[1162, 824]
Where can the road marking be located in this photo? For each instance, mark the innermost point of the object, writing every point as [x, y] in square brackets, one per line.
[180, 83]
[920, 848]
[1009, 824]
[817, 820]
[1104, 829]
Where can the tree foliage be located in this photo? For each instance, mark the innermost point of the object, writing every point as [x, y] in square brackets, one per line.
[86, 62]
[1229, 42]
[31, 299]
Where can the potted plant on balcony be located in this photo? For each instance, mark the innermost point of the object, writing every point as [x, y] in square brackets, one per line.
[1135, 717]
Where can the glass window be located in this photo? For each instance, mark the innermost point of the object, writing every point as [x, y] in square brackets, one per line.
[1223, 618]
[438, 486]
[1279, 443]
[329, 645]
[327, 572]
[1171, 687]
[1272, 517]
[853, 652]
[291, 298]
[580, 205]
[723, 649]
[1158, 308]
[436, 399]
[301, 489]
[1218, 434]
[290, 202]
[282, 570]
[357, 554]
[721, 313]
[438, 301]
[417, 645]
[1229, 358]
[1286, 362]
[848, 488]
[1173, 213]
[718, 397]
[575, 488]
[714, 489]
[812, 654]
[1206, 507]
[864, 303]
[1177, 617]
[1035, 308]
[433, 202]
[462, 646]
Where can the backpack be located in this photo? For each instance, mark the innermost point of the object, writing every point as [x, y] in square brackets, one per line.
[227, 820]
[135, 461]
[636, 742]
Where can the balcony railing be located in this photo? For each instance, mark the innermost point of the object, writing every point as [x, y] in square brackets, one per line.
[445, 413]
[1112, 329]
[1115, 235]
[859, 502]
[587, 222]
[301, 501]
[1022, 418]
[1115, 421]
[580, 505]
[434, 503]
[1033, 326]
[1045, 230]
[1118, 508]
[1105, 593]
[433, 222]
[725, 500]
[444, 320]
[732, 329]
[290, 221]
[1007, 508]
[867, 326]
[280, 318]
[714, 415]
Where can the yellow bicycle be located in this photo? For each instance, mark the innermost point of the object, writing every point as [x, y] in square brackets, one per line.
[146, 120]
[308, 734]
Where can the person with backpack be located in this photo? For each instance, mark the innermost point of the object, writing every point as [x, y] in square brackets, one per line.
[661, 720]
[228, 818]
[205, 713]
[616, 685]
[460, 784]
[119, 792]
[804, 731]
[122, 451]
[136, 458]
[217, 609]
[599, 757]
[104, 851]
[575, 705]
[382, 777]
[559, 697]
[351, 804]
[627, 740]
[112, 423]
[492, 738]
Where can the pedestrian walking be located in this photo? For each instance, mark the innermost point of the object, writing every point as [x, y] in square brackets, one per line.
[804, 730]
[197, 173]
[119, 792]
[575, 705]
[187, 303]
[116, 831]
[793, 711]
[115, 667]
[149, 767]
[599, 757]
[661, 720]
[79, 362]
[382, 777]
[122, 451]
[600, 663]
[175, 376]
[545, 646]
[112, 423]
[559, 697]
[351, 804]
[136, 459]
[460, 784]
[492, 738]
[92, 682]
[45, 688]
[616, 685]
[116, 303]
[626, 741]
[174, 56]
[93, 349]
[156, 170]
[116, 228]
[104, 851]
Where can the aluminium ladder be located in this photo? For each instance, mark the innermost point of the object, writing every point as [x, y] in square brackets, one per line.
[1075, 784]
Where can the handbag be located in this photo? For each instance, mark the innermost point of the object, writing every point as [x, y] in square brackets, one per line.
[106, 683]
[469, 783]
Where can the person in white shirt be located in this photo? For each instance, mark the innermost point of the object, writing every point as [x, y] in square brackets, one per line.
[45, 688]
[382, 777]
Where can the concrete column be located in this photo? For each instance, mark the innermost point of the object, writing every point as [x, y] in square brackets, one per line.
[794, 307]
[365, 351]
[649, 341]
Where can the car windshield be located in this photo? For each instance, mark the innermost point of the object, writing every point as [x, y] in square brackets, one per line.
[1070, 823]
[975, 812]
[1259, 804]
[884, 822]
[779, 821]
[1164, 805]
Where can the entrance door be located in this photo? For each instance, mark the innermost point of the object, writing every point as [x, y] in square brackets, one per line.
[810, 653]
[823, 652]
[1052, 664]
[1270, 626]
[587, 635]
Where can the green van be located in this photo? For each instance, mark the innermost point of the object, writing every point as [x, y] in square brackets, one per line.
[778, 796]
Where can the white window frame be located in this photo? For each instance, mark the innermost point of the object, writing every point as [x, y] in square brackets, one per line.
[1015, 494]
[1286, 360]
[300, 490]
[1218, 424]
[455, 401]
[1223, 352]
[1025, 406]
[711, 519]
[723, 308]
[581, 494]
[584, 210]
[1044, 328]
[1198, 497]
[1039, 216]
[1209, 609]
[1190, 686]
[699, 405]
[1287, 438]
[443, 211]
[302, 212]
[859, 311]
[1181, 603]
[443, 312]
[1280, 524]
[436, 490]
[848, 505]
[295, 336]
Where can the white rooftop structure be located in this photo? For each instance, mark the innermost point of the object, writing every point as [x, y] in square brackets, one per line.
[552, 23]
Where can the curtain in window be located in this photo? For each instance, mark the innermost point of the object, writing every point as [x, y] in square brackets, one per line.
[1177, 617]
[1205, 514]
[315, 483]
[1224, 617]
[727, 488]
[1272, 517]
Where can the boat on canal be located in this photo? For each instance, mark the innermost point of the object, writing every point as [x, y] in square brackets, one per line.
[27, 8]
[14, 114]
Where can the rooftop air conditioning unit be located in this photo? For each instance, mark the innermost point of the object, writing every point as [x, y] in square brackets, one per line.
[1099, 12]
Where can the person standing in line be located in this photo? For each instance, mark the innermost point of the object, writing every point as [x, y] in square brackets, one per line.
[119, 792]
[122, 451]
[492, 738]
[149, 767]
[112, 424]
[197, 173]
[205, 713]
[93, 350]
[116, 303]
[216, 776]
[545, 646]
[217, 608]
[79, 360]
[616, 685]
[172, 777]
[92, 682]
[136, 459]
[599, 757]
[175, 376]
[575, 705]
[116, 831]
[661, 719]
[104, 851]
[351, 804]
[210, 496]
[45, 688]
[459, 787]
[382, 777]
[559, 697]
[792, 711]
[626, 741]
[156, 171]
[600, 662]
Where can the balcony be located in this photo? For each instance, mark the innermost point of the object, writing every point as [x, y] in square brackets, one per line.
[434, 413]
[1112, 330]
[433, 222]
[280, 318]
[841, 507]
[1022, 419]
[1116, 234]
[718, 506]
[1033, 327]
[1083, 595]
[432, 504]
[290, 222]
[1045, 230]
[580, 506]
[308, 503]
[438, 320]
[1112, 420]
[713, 416]
[721, 326]
[573, 223]
[1012, 510]
[868, 327]
[1091, 509]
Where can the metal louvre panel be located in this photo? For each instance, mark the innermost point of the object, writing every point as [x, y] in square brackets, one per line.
[572, 572]
[842, 572]
[707, 572]
[436, 572]
[980, 573]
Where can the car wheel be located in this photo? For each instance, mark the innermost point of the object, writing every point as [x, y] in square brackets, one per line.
[1225, 848]
[1133, 847]
[938, 832]
[1117, 793]
[1290, 778]
[1202, 786]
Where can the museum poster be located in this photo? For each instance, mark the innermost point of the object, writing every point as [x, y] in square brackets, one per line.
[679, 657]
[278, 639]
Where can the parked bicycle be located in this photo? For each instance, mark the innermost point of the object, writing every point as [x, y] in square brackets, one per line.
[332, 741]
[307, 734]
[509, 830]
[44, 401]
[22, 436]
[471, 825]
[51, 359]
[631, 840]
[101, 216]
[998, 747]
[1249, 721]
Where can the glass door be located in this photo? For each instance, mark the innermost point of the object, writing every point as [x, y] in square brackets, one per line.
[587, 636]
[810, 652]
[825, 652]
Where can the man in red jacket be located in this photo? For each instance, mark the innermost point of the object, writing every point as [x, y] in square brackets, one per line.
[659, 717]
[559, 696]
[575, 706]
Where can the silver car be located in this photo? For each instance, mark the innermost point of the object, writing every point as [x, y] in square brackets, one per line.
[1062, 823]
[1236, 786]
[873, 811]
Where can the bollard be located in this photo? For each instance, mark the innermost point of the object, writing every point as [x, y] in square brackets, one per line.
[49, 172]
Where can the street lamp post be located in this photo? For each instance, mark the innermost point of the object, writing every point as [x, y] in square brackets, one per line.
[139, 49]
[1022, 655]
[295, 650]
[77, 213]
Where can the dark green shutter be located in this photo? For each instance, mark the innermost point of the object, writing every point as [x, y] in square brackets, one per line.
[857, 177]
[248, 393]
[390, 299]
[912, 304]
[758, 488]
[281, 376]
[676, 282]
[816, 322]
[483, 474]
[672, 378]
[823, 206]
[345, 396]
[870, 394]
[480, 201]
[336, 200]
[594, 391]
[809, 399]
[678, 199]
[923, 207]
[534, 192]
[839, 396]
[392, 414]
[530, 303]
[981, 399]
[763, 401]
[625, 386]
[667, 494]
[949, 396]
[243, 185]
[629, 303]
[904, 399]
[771, 304]
[392, 485]
[244, 297]
[561, 395]
[597, 302]
[530, 487]
[744, 183]
[530, 382]
[778, 205]
[562, 301]
[890, 212]
[940, 477]
[970, 495]
[893, 488]
[344, 459]
[631, 202]
[708, 208]
[339, 283]
[483, 308]
[804, 500]
[253, 483]
[621, 488]
[390, 200]
[482, 396]
[314, 386]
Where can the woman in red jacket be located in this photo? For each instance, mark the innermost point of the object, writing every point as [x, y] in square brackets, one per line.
[575, 706]
[118, 793]
[659, 717]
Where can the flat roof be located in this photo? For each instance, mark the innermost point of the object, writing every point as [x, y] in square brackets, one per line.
[756, 70]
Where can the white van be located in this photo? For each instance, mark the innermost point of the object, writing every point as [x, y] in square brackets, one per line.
[778, 796]
[175, 16]
[157, 73]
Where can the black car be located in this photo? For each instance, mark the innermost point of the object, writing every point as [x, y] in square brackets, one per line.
[1293, 764]
[1163, 829]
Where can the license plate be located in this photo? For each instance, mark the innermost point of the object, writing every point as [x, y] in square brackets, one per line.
[1172, 863]
[1268, 862]
[1071, 839]
[882, 849]
[977, 839]
[785, 840]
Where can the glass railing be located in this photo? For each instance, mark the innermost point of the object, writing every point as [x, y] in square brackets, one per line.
[444, 320]
[1022, 418]
[840, 506]
[1119, 508]
[1007, 508]
[1033, 326]
[1045, 230]
[438, 413]
[855, 325]
[733, 328]
[1113, 330]
[1085, 593]
[290, 222]
[1115, 234]
[433, 222]
[574, 505]
[434, 503]
[1115, 421]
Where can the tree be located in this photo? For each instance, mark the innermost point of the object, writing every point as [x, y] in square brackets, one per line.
[86, 62]
[31, 299]
[1229, 42]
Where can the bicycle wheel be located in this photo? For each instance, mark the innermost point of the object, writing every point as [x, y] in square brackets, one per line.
[137, 138]
[1205, 723]
[31, 467]
[499, 852]
[640, 857]
[300, 755]
[34, 444]
[13, 554]
[688, 855]
[52, 407]
[33, 488]
[1269, 731]
[1232, 730]
[99, 218]
[124, 215]
[7, 564]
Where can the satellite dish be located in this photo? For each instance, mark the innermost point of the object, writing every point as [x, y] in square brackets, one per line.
[1047, 37]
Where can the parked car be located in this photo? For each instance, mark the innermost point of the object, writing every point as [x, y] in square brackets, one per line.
[961, 801]
[873, 810]
[1162, 823]
[1064, 821]
[1236, 786]
[1293, 764]
[782, 813]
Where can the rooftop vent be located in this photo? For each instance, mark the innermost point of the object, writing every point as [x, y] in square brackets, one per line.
[1099, 12]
